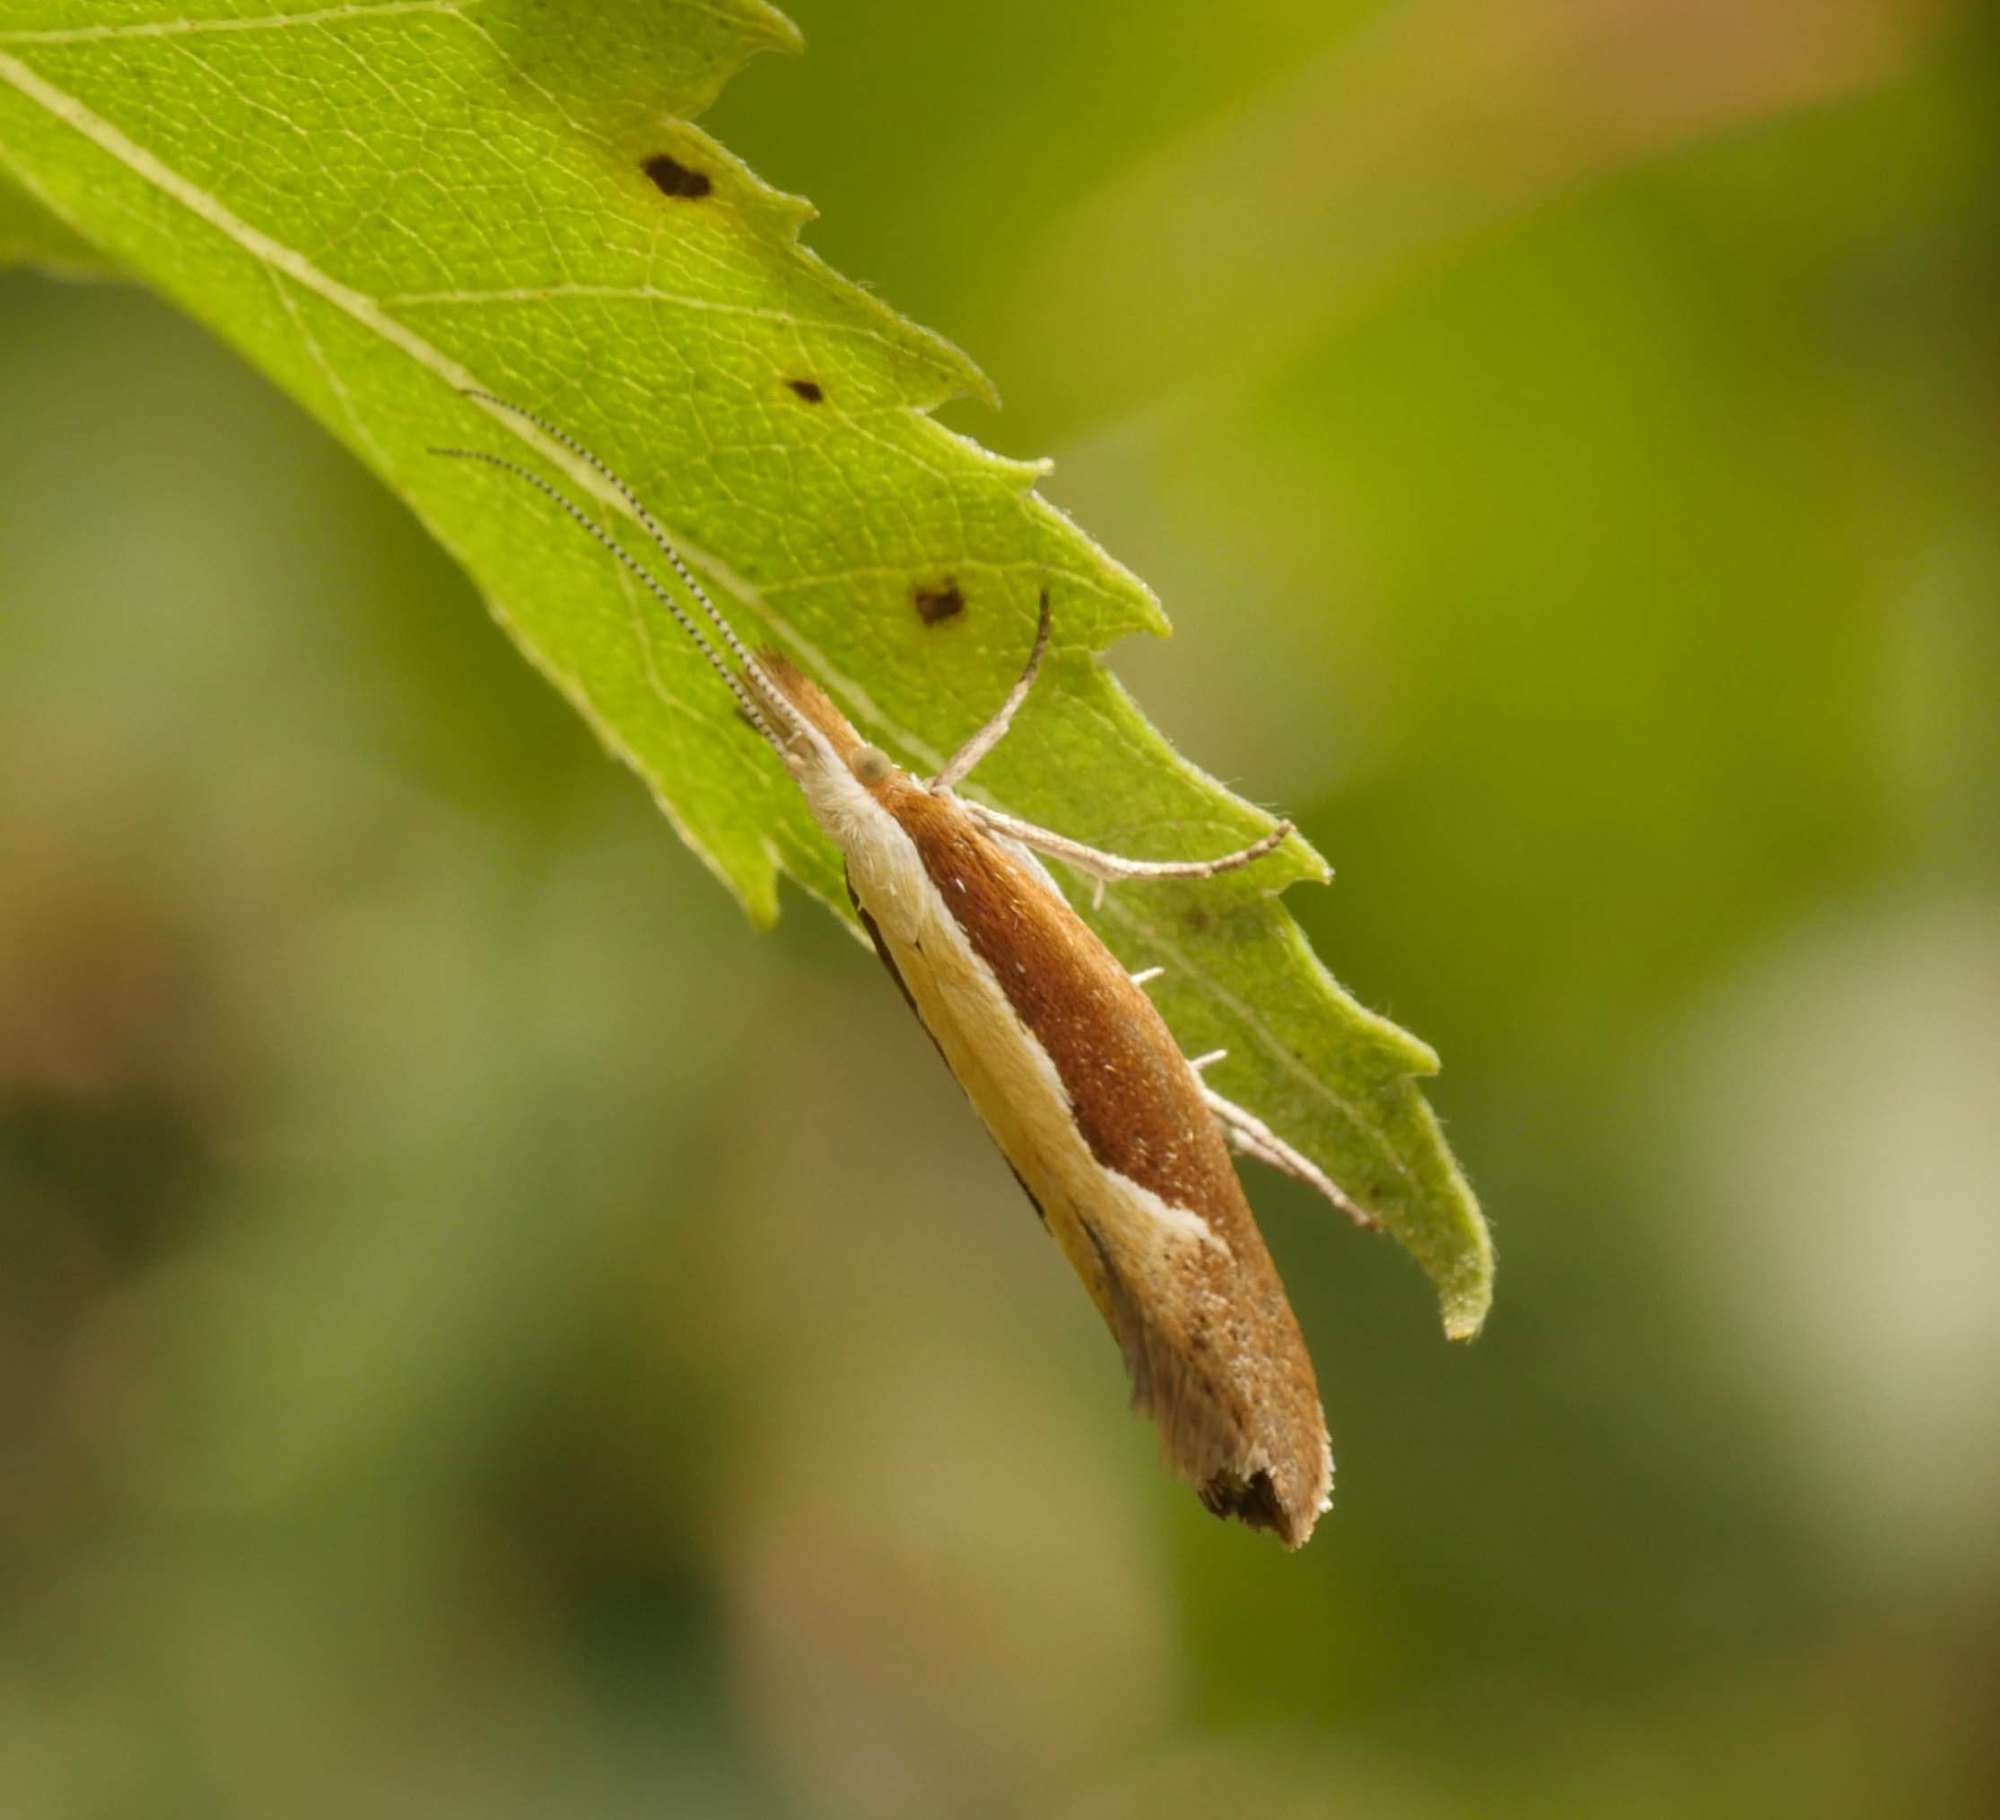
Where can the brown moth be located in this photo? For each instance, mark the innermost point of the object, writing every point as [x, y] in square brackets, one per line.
[1111, 1130]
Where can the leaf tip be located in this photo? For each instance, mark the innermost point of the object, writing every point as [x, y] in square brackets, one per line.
[968, 377]
[1466, 1323]
[770, 29]
[1466, 1294]
[1312, 863]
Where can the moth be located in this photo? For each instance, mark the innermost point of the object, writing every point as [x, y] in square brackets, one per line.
[1122, 1147]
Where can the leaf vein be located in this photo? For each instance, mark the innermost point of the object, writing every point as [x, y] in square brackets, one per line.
[264, 22]
[633, 293]
[342, 393]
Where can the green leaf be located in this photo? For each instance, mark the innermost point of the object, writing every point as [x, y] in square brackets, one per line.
[384, 204]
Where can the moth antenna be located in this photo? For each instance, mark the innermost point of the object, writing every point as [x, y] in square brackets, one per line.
[647, 521]
[651, 582]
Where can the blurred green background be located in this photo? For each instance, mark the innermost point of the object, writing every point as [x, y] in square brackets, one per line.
[482, 1332]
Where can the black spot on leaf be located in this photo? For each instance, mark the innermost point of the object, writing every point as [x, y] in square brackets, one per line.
[808, 389]
[673, 178]
[936, 604]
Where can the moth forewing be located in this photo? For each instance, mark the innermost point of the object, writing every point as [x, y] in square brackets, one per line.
[1083, 1087]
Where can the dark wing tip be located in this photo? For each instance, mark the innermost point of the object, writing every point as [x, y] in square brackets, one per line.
[1254, 1502]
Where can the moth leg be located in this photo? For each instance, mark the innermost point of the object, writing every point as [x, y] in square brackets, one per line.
[989, 736]
[1249, 1134]
[1147, 975]
[1104, 867]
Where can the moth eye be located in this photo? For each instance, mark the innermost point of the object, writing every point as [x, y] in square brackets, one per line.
[869, 765]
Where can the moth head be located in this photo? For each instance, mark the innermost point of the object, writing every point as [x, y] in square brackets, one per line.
[811, 731]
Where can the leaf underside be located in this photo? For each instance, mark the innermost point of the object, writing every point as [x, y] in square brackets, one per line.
[386, 203]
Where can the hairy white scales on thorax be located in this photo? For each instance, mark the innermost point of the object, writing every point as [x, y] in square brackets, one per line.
[882, 861]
